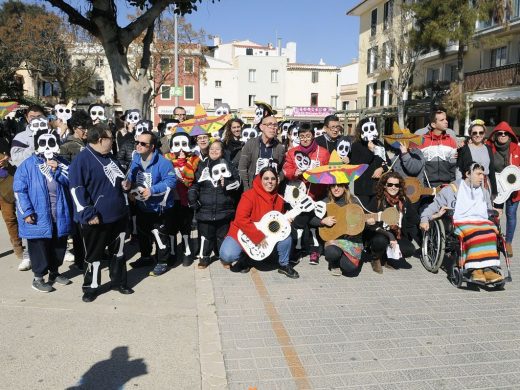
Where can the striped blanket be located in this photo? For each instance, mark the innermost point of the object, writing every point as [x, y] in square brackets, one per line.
[479, 243]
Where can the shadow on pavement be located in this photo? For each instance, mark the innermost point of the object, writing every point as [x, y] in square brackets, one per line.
[113, 373]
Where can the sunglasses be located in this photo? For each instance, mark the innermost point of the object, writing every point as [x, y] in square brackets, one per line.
[477, 133]
[390, 185]
[141, 143]
[502, 133]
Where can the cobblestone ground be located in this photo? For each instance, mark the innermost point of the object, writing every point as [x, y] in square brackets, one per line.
[405, 329]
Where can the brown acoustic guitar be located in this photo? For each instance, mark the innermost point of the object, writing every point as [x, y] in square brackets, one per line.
[414, 189]
[351, 219]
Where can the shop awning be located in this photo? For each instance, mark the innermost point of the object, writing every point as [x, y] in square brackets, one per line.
[495, 96]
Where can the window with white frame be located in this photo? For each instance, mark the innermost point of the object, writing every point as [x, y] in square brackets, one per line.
[252, 75]
[387, 14]
[217, 102]
[386, 93]
[373, 22]
[432, 75]
[251, 100]
[100, 87]
[165, 92]
[189, 92]
[274, 75]
[99, 62]
[371, 98]
[388, 55]
[314, 100]
[498, 57]
[274, 101]
[315, 76]
[372, 60]
[218, 83]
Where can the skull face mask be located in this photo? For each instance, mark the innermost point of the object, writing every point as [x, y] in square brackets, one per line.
[63, 112]
[369, 131]
[46, 144]
[142, 125]
[343, 147]
[169, 128]
[132, 116]
[97, 113]
[259, 114]
[39, 124]
[248, 133]
[222, 109]
[180, 142]
[318, 132]
[295, 139]
[219, 171]
[303, 162]
[285, 129]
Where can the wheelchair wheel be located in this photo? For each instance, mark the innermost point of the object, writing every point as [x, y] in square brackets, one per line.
[456, 277]
[432, 251]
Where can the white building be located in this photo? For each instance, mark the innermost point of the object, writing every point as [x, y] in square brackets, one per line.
[219, 84]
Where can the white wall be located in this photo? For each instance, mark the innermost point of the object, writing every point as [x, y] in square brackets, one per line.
[300, 87]
[228, 76]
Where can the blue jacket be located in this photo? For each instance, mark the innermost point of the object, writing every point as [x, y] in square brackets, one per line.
[94, 192]
[163, 181]
[32, 198]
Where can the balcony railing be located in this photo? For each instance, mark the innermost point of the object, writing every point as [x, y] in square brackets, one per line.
[501, 77]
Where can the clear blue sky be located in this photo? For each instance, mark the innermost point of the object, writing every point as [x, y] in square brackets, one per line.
[321, 29]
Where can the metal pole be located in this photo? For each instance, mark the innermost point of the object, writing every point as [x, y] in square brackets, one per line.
[176, 56]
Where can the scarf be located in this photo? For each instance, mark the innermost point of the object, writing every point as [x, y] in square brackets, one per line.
[395, 201]
[501, 157]
[311, 148]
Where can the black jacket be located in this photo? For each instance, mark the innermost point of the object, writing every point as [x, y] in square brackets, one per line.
[126, 150]
[361, 154]
[232, 149]
[410, 220]
[213, 203]
[464, 158]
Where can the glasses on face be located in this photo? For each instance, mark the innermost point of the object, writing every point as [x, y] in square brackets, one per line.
[390, 185]
[306, 137]
[110, 138]
[272, 125]
[335, 127]
[336, 186]
[477, 133]
[202, 138]
[140, 143]
[502, 133]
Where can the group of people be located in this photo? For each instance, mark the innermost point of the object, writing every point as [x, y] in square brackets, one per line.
[100, 187]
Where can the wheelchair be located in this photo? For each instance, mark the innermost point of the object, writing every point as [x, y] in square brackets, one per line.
[442, 248]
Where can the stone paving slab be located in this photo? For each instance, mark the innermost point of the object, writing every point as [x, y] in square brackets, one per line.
[405, 329]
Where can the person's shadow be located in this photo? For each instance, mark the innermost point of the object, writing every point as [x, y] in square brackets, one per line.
[113, 373]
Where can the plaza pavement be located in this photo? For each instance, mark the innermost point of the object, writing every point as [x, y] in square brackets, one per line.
[405, 329]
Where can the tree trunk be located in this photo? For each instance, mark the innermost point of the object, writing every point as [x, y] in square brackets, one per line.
[400, 113]
[460, 87]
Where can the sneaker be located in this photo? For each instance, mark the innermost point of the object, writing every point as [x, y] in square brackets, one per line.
[69, 257]
[89, 296]
[288, 271]
[240, 266]
[25, 265]
[492, 276]
[335, 272]
[187, 260]
[478, 276]
[41, 286]
[142, 262]
[57, 278]
[314, 258]
[203, 263]
[159, 269]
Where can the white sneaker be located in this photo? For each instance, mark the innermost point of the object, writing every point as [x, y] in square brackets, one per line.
[25, 265]
[69, 257]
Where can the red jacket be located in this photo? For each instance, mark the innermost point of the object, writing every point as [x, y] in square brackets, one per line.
[320, 156]
[253, 205]
[514, 150]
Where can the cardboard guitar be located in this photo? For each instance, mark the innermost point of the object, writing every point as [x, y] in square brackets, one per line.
[508, 181]
[414, 189]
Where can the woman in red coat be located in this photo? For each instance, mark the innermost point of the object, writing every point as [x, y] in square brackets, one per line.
[253, 205]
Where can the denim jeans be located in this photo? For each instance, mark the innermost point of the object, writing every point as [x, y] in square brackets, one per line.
[511, 209]
[230, 250]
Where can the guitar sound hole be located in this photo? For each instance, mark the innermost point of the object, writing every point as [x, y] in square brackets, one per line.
[295, 193]
[511, 179]
[409, 190]
[273, 226]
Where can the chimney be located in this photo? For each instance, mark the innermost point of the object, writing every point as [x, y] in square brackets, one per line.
[279, 44]
[216, 40]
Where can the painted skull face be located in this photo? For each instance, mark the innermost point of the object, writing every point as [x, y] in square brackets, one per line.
[222, 109]
[369, 131]
[303, 162]
[97, 113]
[133, 116]
[318, 132]
[295, 139]
[170, 128]
[180, 142]
[259, 114]
[47, 145]
[63, 112]
[248, 133]
[219, 171]
[40, 123]
[142, 125]
[285, 129]
[343, 147]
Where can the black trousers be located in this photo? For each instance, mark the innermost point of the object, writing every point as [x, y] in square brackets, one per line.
[180, 222]
[47, 254]
[379, 242]
[211, 235]
[336, 258]
[96, 238]
[147, 223]
[301, 222]
[78, 246]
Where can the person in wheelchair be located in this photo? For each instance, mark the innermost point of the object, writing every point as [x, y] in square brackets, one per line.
[470, 203]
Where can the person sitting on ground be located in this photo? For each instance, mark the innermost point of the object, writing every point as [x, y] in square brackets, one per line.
[393, 242]
[470, 203]
[254, 204]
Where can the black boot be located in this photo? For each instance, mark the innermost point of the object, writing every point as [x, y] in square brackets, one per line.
[118, 275]
[242, 265]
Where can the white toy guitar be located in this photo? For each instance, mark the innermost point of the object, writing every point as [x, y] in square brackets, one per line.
[508, 181]
[276, 227]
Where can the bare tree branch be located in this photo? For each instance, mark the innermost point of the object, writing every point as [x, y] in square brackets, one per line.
[75, 16]
[134, 29]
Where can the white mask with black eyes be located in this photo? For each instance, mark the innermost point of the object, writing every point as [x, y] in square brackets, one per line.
[285, 129]
[369, 131]
[215, 135]
[343, 148]
[295, 139]
[303, 162]
[181, 142]
[318, 132]
[223, 109]
[133, 116]
[140, 127]
[38, 124]
[63, 112]
[219, 171]
[97, 113]
[169, 128]
[48, 146]
[248, 133]
[259, 114]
